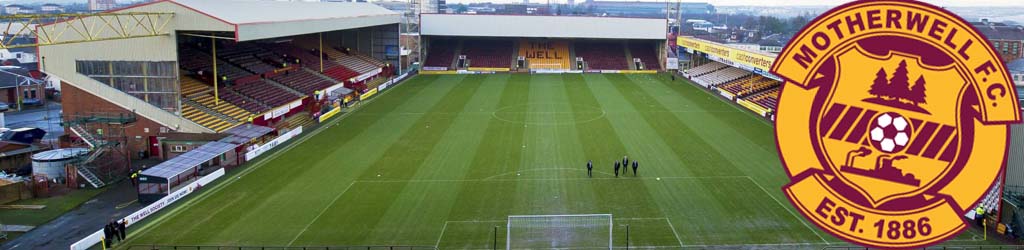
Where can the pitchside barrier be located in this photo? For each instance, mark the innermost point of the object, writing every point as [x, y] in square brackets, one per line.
[213, 247]
[259, 150]
[97, 237]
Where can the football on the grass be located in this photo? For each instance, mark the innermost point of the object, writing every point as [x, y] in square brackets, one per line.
[890, 132]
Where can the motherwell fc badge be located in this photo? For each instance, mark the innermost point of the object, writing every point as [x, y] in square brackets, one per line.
[893, 121]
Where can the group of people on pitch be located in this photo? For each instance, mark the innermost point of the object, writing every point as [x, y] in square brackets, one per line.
[624, 166]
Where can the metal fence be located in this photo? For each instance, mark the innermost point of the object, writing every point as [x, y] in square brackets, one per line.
[211, 247]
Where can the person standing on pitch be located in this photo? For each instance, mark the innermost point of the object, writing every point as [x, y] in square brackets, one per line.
[616, 169]
[590, 168]
[625, 162]
[635, 165]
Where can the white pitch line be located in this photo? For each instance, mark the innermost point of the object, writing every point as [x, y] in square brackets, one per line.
[760, 245]
[445, 227]
[674, 232]
[641, 218]
[474, 221]
[555, 179]
[799, 218]
[328, 207]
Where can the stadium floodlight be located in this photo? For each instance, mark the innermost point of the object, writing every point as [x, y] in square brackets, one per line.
[569, 231]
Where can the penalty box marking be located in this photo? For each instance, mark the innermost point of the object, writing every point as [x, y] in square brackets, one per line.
[667, 220]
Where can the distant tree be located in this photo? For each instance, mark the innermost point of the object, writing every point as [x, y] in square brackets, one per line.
[899, 84]
[880, 86]
[917, 94]
[797, 23]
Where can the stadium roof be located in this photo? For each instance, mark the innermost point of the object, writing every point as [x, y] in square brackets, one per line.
[542, 26]
[1016, 66]
[245, 133]
[189, 160]
[253, 20]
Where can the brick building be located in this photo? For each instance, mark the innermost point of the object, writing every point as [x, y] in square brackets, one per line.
[1007, 40]
[21, 85]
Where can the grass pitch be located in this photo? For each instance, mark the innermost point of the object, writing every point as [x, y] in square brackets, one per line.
[443, 160]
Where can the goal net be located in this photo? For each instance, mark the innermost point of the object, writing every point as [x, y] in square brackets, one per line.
[573, 231]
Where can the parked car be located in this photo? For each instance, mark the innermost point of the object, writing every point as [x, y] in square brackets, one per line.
[31, 102]
[4, 107]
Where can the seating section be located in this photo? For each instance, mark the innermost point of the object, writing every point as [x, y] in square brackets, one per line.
[768, 99]
[263, 91]
[369, 59]
[225, 108]
[602, 55]
[488, 53]
[248, 56]
[355, 63]
[441, 53]
[340, 73]
[201, 63]
[307, 58]
[242, 102]
[205, 119]
[647, 55]
[723, 76]
[191, 86]
[302, 80]
[546, 54]
[704, 69]
[749, 85]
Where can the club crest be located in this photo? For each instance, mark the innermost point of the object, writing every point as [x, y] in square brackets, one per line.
[892, 122]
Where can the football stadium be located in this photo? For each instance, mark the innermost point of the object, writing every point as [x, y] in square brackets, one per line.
[307, 125]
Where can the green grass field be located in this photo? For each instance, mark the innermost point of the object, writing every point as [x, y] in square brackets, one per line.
[442, 160]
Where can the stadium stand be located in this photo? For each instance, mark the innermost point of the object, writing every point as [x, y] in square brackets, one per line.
[200, 63]
[340, 73]
[768, 99]
[205, 119]
[546, 54]
[191, 86]
[306, 58]
[488, 53]
[441, 53]
[302, 80]
[647, 55]
[352, 62]
[722, 76]
[225, 108]
[247, 56]
[264, 92]
[602, 55]
[747, 86]
[704, 69]
[371, 60]
[245, 103]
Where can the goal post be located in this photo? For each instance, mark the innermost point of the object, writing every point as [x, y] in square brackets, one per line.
[568, 231]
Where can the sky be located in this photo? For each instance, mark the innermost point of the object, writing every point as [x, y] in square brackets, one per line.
[946, 3]
[950, 3]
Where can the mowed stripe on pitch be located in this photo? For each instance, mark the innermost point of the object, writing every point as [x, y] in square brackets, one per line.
[198, 224]
[419, 212]
[631, 199]
[362, 207]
